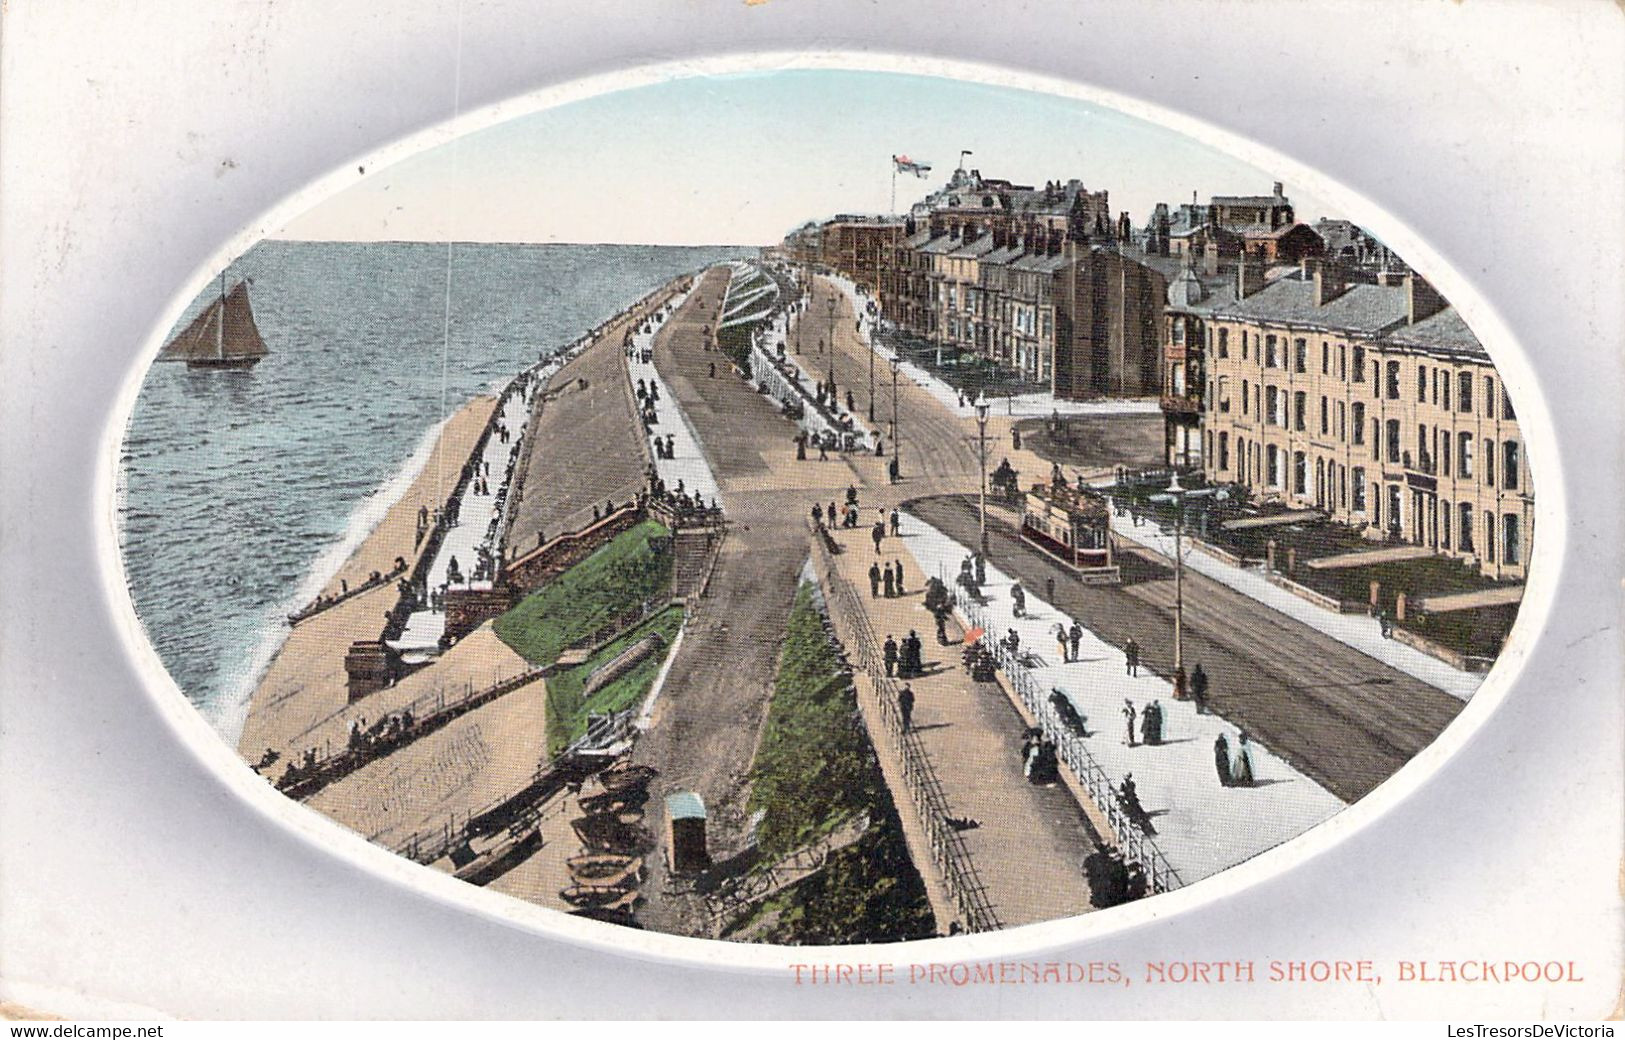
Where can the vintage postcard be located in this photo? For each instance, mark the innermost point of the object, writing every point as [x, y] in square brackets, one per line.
[981, 509]
[1000, 548]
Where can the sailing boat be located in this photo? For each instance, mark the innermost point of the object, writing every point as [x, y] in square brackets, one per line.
[223, 336]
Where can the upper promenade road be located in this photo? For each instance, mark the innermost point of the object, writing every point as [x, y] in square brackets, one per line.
[586, 443]
[939, 450]
[1340, 717]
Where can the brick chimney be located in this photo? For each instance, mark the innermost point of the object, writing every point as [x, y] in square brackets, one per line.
[1249, 277]
[1421, 301]
[1329, 281]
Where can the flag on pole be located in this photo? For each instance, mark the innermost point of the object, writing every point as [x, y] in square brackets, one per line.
[903, 164]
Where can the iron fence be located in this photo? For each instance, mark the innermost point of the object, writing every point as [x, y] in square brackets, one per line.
[1135, 844]
[948, 850]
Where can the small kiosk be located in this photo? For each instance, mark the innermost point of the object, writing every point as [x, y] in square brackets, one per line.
[1074, 526]
[685, 833]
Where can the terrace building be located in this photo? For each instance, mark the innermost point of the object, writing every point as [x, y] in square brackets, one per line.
[1373, 403]
[855, 245]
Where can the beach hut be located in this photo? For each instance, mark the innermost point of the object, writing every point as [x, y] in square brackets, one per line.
[685, 833]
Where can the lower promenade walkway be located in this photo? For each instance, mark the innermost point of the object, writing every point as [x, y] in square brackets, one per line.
[1027, 842]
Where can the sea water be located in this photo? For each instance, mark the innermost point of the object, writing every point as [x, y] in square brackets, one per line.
[242, 493]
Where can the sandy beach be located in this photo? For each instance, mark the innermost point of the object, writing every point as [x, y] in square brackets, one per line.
[306, 682]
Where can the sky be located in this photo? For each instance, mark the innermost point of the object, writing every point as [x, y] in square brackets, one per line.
[743, 159]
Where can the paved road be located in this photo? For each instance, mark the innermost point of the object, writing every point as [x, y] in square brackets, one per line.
[1340, 717]
[562, 483]
[709, 717]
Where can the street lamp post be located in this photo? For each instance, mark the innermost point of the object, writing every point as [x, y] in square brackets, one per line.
[1177, 495]
[830, 304]
[871, 374]
[981, 454]
[896, 443]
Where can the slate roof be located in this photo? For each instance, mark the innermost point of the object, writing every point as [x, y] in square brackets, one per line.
[1003, 256]
[1444, 332]
[1041, 263]
[1371, 309]
[981, 247]
[1249, 200]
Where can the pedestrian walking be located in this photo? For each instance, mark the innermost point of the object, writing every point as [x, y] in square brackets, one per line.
[1241, 765]
[897, 565]
[1129, 715]
[890, 655]
[1018, 600]
[1221, 760]
[818, 515]
[889, 583]
[874, 581]
[942, 628]
[1131, 655]
[878, 534]
[1199, 689]
[892, 471]
[915, 648]
[1060, 640]
[1151, 723]
[905, 704]
[1075, 634]
[896, 523]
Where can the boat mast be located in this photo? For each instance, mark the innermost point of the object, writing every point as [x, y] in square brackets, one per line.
[220, 322]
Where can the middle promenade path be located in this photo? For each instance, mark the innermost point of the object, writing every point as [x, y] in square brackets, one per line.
[706, 725]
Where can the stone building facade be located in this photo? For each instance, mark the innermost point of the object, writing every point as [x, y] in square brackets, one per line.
[1371, 402]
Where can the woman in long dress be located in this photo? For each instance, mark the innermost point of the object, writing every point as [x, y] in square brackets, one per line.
[1221, 760]
[1241, 768]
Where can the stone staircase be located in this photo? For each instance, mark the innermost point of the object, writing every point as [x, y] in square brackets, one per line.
[694, 552]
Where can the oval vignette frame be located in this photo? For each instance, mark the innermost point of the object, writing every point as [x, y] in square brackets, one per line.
[330, 838]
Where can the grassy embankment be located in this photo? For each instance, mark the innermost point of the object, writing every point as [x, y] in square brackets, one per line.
[814, 771]
[635, 567]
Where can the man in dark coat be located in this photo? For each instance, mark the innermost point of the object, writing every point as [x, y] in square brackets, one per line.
[888, 582]
[874, 580]
[1221, 759]
[890, 655]
[896, 522]
[905, 704]
[897, 565]
[878, 534]
[1199, 689]
[1075, 636]
[1131, 655]
[916, 662]
[818, 515]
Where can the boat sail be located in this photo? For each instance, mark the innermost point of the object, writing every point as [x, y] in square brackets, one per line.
[223, 336]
